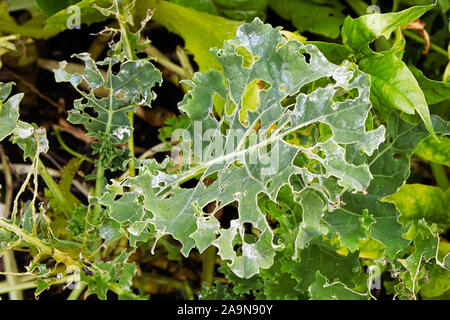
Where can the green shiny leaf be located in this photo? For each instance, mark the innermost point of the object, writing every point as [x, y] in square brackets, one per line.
[393, 85]
[359, 32]
[434, 91]
[434, 151]
[334, 52]
[33, 27]
[438, 282]
[417, 201]
[389, 166]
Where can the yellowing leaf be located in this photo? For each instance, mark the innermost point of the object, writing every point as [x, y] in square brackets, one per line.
[417, 201]
[200, 30]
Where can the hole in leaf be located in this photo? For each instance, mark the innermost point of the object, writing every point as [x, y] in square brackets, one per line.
[251, 233]
[115, 69]
[397, 156]
[341, 95]
[190, 184]
[247, 57]
[250, 99]
[211, 207]
[209, 180]
[319, 83]
[289, 101]
[224, 126]
[229, 213]
[237, 247]
[120, 95]
[219, 106]
[325, 132]
[312, 165]
[306, 55]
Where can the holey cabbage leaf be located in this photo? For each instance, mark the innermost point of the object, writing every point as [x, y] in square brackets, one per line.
[280, 114]
[131, 85]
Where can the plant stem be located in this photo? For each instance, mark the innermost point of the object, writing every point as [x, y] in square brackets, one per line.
[9, 260]
[10, 265]
[440, 175]
[130, 56]
[64, 205]
[75, 294]
[416, 37]
[68, 149]
[160, 58]
[447, 68]
[37, 243]
[99, 179]
[29, 285]
[131, 169]
[209, 258]
[169, 282]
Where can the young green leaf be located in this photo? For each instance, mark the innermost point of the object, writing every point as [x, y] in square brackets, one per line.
[359, 32]
[31, 28]
[393, 85]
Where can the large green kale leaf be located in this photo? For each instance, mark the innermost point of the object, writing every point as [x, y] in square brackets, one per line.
[240, 146]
